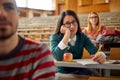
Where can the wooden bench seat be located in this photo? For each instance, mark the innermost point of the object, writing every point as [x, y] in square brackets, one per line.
[104, 78]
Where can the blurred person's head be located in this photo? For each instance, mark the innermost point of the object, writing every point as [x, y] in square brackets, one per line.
[93, 21]
[70, 20]
[8, 19]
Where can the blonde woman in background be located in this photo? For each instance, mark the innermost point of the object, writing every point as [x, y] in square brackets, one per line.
[93, 28]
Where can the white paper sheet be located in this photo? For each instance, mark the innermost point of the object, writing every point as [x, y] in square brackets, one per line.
[90, 61]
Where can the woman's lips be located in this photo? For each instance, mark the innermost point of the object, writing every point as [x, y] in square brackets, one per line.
[72, 30]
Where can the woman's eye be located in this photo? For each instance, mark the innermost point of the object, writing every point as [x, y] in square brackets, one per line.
[68, 23]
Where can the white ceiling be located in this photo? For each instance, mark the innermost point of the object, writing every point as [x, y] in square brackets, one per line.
[37, 4]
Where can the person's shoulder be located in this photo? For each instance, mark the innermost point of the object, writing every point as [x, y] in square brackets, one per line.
[29, 41]
[82, 35]
[34, 44]
[55, 35]
[103, 27]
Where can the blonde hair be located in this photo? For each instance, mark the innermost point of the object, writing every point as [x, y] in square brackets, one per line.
[89, 26]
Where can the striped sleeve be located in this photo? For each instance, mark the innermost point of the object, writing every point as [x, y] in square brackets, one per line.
[34, 61]
[44, 67]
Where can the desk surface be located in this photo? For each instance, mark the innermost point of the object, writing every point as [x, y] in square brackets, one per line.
[74, 63]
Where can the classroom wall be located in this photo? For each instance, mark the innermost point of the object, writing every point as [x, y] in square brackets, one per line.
[86, 6]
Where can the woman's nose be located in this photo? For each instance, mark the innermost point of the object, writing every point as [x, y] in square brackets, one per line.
[71, 25]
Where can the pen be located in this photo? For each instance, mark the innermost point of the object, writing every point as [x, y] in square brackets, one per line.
[99, 48]
[97, 51]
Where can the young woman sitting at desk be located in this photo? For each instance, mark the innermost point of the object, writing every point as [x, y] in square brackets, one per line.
[68, 37]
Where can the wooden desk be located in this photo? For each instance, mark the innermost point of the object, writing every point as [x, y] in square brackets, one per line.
[104, 78]
[106, 67]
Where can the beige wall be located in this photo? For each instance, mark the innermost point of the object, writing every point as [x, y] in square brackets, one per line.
[115, 5]
[86, 6]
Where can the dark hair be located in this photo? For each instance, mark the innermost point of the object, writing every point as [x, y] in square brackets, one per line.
[61, 17]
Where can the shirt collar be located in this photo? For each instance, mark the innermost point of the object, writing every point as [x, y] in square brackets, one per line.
[74, 38]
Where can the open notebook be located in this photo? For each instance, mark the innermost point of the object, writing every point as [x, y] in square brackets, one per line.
[90, 61]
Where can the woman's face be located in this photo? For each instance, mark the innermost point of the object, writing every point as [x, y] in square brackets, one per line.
[93, 19]
[71, 23]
